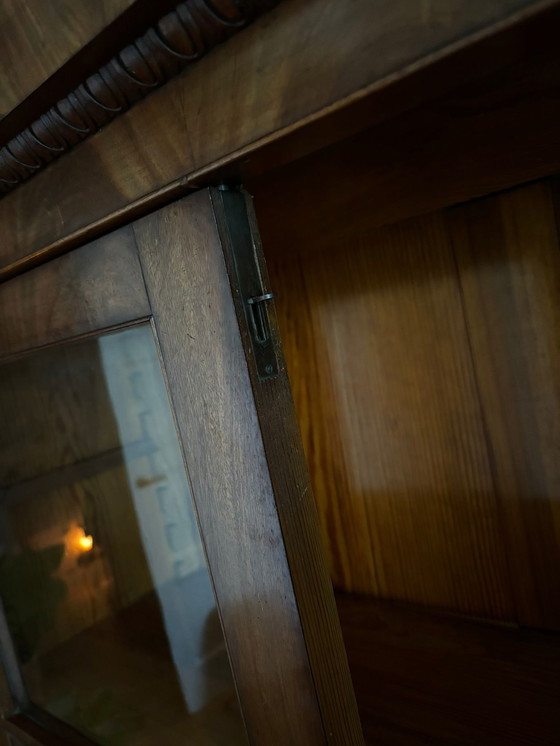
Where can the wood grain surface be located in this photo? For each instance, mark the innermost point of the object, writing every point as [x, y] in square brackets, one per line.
[508, 252]
[176, 40]
[127, 26]
[37, 37]
[182, 257]
[421, 356]
[95, 287]
[483, 137]
[378, 355]
[266, 81]
[293, 494]
[423, 679]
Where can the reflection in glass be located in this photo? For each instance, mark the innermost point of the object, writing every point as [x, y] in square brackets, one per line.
[6, 701]
[102, 574]
[7, 740]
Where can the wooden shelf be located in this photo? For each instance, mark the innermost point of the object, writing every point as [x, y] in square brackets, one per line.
[426, 678]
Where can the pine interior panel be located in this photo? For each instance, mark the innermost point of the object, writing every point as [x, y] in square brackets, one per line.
[509, 264]
[391, 418]
[422, 357]
[37, 37]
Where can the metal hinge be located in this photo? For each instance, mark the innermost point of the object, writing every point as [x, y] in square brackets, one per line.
[244, 247]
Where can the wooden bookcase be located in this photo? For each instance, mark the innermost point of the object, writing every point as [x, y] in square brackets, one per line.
[395, 168]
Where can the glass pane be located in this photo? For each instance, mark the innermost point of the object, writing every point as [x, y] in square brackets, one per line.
[8, 740]
[102, 573]
[6, 702]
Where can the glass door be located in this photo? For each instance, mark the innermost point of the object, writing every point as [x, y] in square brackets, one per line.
[105, 587]
[161, 577]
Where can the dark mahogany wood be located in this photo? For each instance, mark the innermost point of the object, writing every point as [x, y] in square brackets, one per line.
[99, 286]
[179, 38]
[37, 93]
[252, 495]
[423, 678]
[38, 38]
[248, 106]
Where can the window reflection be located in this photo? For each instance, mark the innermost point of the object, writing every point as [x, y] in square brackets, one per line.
[102, 573]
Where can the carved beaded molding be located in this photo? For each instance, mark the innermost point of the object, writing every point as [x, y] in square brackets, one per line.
[179, 39]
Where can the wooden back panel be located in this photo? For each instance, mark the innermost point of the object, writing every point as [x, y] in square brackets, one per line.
[380, 364]
[508, 256]
[421, 357]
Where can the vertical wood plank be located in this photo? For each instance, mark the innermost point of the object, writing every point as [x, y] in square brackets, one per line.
[217, 420]
[507, 249]
[293, 494]
[379, 358]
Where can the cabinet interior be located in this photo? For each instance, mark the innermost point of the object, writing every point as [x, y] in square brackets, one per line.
[417, 274]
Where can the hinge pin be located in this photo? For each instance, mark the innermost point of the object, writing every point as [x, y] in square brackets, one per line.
[258, 317]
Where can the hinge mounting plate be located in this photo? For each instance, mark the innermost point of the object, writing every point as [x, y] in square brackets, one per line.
[251, 282]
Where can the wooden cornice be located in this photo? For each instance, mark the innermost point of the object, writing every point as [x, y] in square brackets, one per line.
[179, 39]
